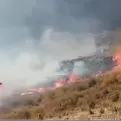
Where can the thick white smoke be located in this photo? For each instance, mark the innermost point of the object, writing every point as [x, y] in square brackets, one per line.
[30, 64]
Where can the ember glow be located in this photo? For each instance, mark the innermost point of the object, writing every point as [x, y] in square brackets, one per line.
[117, 58]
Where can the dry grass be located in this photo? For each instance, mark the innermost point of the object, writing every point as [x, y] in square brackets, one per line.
[100, 93]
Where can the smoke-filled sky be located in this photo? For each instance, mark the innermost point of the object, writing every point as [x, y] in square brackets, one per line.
[34, 34]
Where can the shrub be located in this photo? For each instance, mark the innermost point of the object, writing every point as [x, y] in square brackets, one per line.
[91, 104]
[115, 97]
[92, 82]
[102, 110]
[90, 111]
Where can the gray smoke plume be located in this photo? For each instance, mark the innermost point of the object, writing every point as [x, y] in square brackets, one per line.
[36, 34]
[75, 16]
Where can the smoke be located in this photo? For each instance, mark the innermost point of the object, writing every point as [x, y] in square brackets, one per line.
[36, 35]
[80, 69]
[75, 16]
[33, 64]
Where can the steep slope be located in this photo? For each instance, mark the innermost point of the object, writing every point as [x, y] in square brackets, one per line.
[97, 98]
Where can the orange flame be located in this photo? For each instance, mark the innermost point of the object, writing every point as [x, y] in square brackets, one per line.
[117, 58]
[72, 77]
[59, 83]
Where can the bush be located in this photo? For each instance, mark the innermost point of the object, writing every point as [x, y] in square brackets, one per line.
[118, 77]
[30, 103]
[92, 82]
[102, 110]
[91, 104]
[115, 97]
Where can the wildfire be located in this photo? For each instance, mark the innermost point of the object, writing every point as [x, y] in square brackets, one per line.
[72, 77]
[117, 58]
[59, 83]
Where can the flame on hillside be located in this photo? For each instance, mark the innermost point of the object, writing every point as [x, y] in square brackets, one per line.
[72, 77]
[117, 58]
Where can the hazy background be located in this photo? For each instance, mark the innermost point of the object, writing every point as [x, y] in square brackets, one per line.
[35, 34]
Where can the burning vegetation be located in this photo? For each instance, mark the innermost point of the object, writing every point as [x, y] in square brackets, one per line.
[74, 98]
[94, 65]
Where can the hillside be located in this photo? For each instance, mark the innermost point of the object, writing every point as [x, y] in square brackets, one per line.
[96, 98]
